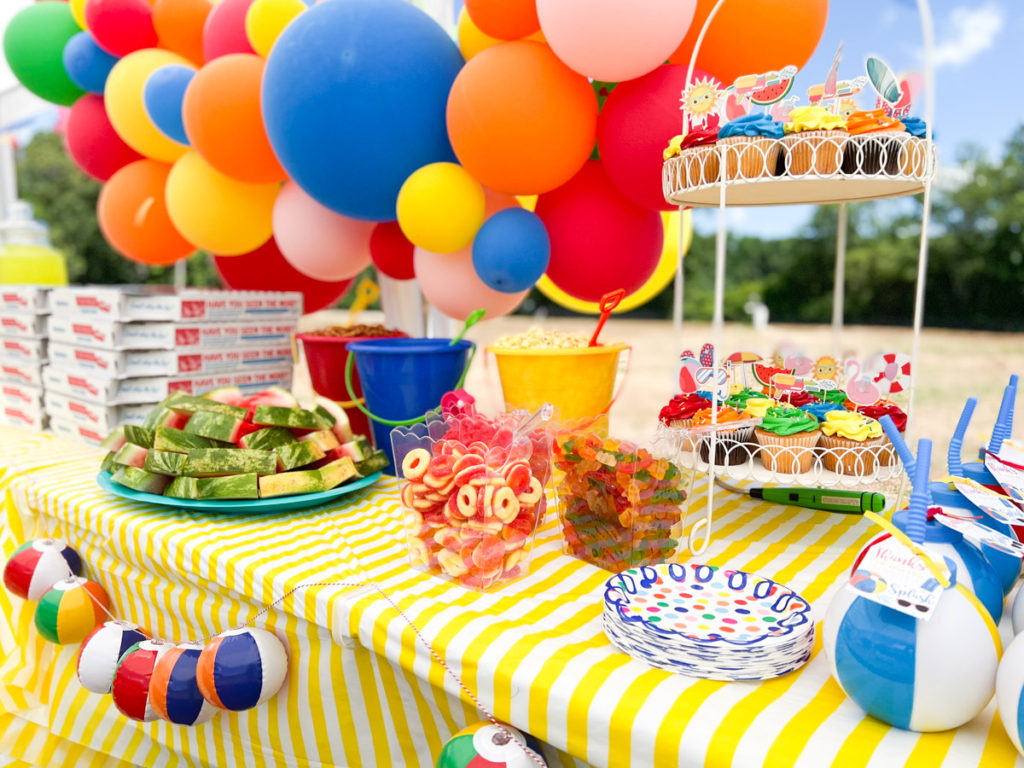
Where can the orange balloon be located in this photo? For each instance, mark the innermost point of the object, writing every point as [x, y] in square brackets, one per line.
[504, 19]
[519, 120]
[223, 119]
[179, 26]
[133, 215]
[748, 38]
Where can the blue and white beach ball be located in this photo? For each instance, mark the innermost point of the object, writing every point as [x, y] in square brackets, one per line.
[1010, 692]
[241, 668]
[173, 688]
[100, 652]
[918, 675]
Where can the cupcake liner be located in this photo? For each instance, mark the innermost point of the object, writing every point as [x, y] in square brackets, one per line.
[703, 165]
[788, 454]
[874, 153]
[750, 157]
[850, 457]
[733, 447]
[886, 456]
[913, 158]
[817, 152]
[686, 442]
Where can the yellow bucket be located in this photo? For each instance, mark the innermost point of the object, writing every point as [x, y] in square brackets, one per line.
[580, 382]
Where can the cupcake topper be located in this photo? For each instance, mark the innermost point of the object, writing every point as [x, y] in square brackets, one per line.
[954, 463]
[917, 513]
[902, 450]
[883, 80]
[1004, 424]
[860, 388]
[888, 370]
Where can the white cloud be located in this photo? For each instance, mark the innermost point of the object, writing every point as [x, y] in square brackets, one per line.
[974, 31]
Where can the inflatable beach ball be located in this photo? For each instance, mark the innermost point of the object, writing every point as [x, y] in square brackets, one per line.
[242, 668]
[485, 745]
[1010, 691]
[38, 565]
[70, 610]
[917, 675]
[99, 654]
[131, 679]
[174, 690]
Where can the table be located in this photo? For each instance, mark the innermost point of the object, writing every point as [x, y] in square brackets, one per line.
[363, 691]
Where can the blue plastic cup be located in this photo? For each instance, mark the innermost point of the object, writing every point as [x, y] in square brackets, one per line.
[404, 378]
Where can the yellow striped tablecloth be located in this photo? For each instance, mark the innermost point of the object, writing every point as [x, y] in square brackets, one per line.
[534, 653]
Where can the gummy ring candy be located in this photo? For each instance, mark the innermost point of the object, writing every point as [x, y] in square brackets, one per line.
[466, 501]
[407, 496]
[415, 464]
[485, 502]
[418, 550]
[533, 495]
[451, 563]
[505, 505]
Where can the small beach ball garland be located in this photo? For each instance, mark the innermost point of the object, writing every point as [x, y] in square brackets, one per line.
[149, 678]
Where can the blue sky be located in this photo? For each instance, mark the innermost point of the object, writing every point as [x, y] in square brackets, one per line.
[978, 51]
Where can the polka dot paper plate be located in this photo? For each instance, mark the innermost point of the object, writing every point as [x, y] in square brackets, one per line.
[708, 621]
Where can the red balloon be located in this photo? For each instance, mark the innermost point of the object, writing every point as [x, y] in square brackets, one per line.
[224, 31]
[121, 26]
[92, 141]
[633, 128]
[391, 251]
[600, 240]
[265, 269]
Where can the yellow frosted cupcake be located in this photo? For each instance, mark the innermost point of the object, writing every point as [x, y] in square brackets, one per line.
[757, 407]
[814, 141]
[852, 442]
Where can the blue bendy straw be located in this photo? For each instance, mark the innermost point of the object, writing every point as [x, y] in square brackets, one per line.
[1004, 424]
[899, 444]
[954, 460]
[917, 511]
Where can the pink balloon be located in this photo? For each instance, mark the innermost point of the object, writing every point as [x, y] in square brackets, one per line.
[315, 240]
[450, 283]
[224, 31]
[612, 40]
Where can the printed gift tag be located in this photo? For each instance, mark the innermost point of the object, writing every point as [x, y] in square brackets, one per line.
[995, 505]
[978, 535]
[1007, 475]
[892, 575]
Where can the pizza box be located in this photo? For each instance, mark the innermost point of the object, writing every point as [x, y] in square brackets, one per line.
[102, 418]
[29, 350]
[76, 431]
[21, 395]
[23, 326]
[161, 303]
[31, 299]
[23, 416]
[21, 372]
[113, 334]
[116, 364]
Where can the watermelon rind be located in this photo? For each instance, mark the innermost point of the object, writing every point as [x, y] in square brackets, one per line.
[245, 486]
[129, 455]
[183, 488]
[295, 455]
[230, 395]
[137, 435]
[293, 418]
[164, 462]
[358, 449]
[140, 480]
[341, 427]
[180, 441]
[108, 464]
[164, 417]
[215, 426]
[374, 463]
[325, 438]
[337, 472]
[114, 440]
[179, 402]
[290, 483]
[267, 439]
[212, 462]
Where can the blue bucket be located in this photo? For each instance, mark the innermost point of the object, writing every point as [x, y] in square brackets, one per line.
[402, 379]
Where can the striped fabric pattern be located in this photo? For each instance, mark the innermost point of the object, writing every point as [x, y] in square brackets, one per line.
[534, 653]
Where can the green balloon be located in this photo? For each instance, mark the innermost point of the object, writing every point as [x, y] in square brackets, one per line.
[34, 48]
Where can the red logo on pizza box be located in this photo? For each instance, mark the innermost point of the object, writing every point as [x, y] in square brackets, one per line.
[192, 309]
[186, 337]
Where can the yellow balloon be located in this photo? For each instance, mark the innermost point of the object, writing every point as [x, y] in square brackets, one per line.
[440, 207]
[265, 21]
[123, 99]
[529, 202]
[655, 284]
[215, 212]
[78, 12]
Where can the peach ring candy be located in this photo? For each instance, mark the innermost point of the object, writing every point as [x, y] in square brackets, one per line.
[415, 463]
[466, 501]
[533, 495]
[505, 504]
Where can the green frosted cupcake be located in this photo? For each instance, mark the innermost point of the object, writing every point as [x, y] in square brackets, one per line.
[787, 437]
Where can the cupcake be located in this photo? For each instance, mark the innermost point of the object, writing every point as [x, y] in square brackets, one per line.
[834, 396]
[887, 456]
[876, 141]
[731, 448]
[797, 399]
[820, 410]
[703, 165]
[757, 407]
[851, 441]
[752, 146]
[738, 400]
[679, 414]
[914, 159]
[814, 141]
[787, 437]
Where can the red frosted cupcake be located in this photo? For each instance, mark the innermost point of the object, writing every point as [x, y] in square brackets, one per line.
[887, 456]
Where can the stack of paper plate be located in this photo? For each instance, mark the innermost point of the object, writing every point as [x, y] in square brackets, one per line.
[706, 621]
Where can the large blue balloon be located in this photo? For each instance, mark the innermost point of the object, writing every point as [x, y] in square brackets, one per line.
[354, 98]
[163, 96]
[86, 63]
[511, 250]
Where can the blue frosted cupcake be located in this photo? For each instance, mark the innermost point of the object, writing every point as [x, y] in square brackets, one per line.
[818, 410]
[752, 145]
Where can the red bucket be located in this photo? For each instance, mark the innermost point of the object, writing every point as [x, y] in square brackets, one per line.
[325, 358]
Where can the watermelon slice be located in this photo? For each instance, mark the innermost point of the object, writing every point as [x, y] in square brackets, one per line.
[297, 454]
[377, 461]
[138, 435]
[337, 472]
[140, 480]
[226, 395]
[164, 462]
[267, 438]
[212, 462]
[325, 439]
[229, 487]
[179, 441]
[114, 440]
[358, 449]
[183, 488]
[216, 426]
[108, 464]
[129, 455]
[289, 483]
[328, 409]
[293, 418]
[179, 402]
[165, 417]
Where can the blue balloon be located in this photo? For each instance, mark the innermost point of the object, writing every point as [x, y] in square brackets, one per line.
[354, 98]
[511, 250]
[86, 63]
[163, 96]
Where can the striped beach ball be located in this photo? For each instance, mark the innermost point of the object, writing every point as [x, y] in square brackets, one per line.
[173, 690]
[38, 565]
[918, 675]
[485, 745]
[1010, 692]
[70, 610]
[242, 668]
[131, 679]
[974, 571]
[100, 652]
